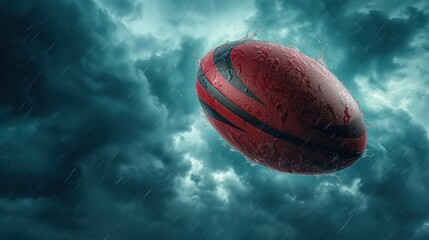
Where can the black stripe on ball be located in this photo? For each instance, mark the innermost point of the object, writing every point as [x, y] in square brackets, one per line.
[223, 63]
[211, 112]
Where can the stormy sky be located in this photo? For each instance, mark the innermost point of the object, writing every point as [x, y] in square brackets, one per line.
[102, 135]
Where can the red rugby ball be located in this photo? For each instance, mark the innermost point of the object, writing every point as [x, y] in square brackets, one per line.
[280, 108]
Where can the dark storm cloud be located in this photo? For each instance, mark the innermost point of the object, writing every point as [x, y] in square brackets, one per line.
[177, 11]
[170, 83]
[90, 139]
[123, 8]
[374, 39]
[41, 121]
[78, 126]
